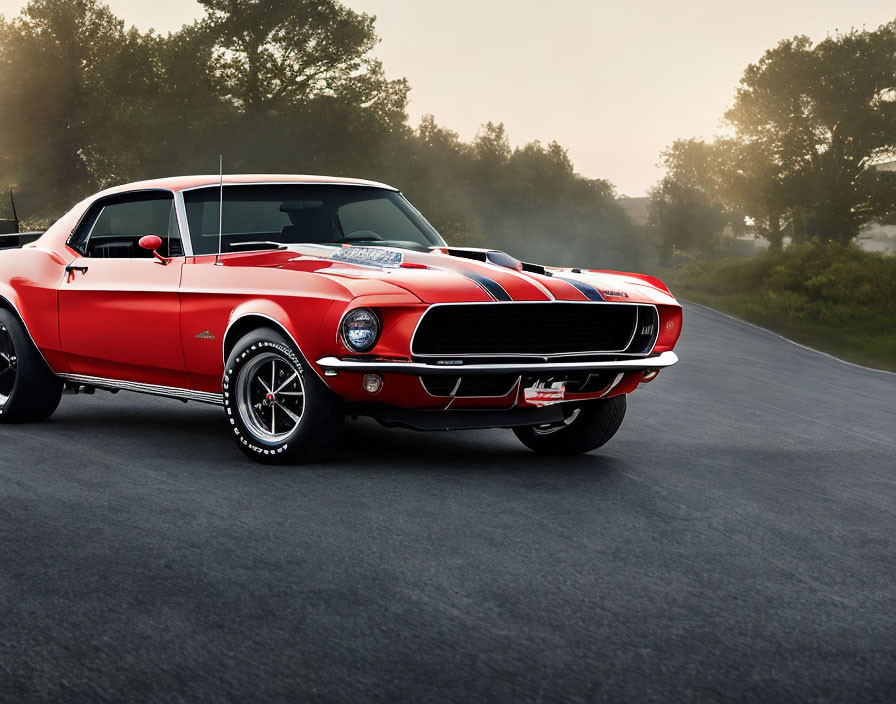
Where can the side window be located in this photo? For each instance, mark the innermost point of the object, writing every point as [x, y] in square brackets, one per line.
[114, 226]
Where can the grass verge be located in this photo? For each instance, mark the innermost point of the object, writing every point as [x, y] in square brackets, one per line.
[839, 300]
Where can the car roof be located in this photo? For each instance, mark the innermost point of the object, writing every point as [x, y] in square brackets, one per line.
[180, 183]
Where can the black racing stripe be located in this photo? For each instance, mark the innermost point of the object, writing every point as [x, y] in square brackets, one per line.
[591, 293]
[494, 289]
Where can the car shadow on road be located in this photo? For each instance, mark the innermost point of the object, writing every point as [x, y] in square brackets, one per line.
[493, 451]
[192, 434]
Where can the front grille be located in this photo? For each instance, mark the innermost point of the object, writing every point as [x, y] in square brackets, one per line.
[537, 329]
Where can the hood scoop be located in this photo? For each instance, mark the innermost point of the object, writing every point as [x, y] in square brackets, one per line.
[496, 257]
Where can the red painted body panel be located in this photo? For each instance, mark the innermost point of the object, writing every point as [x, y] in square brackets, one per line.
[144, 321]
[98, 310]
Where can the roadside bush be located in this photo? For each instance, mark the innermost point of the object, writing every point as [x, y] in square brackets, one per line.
[823, 282]
[830, 296]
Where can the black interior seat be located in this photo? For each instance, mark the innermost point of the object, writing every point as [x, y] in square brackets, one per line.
[113, 250]
[118, 247]
[309, 224]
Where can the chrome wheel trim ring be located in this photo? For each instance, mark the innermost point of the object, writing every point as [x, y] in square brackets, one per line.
[8, 362]
[548, 429]
[270, 397]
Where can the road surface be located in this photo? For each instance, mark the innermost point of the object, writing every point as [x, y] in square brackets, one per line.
[735, 541]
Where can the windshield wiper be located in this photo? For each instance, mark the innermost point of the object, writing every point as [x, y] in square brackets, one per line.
[259, 244]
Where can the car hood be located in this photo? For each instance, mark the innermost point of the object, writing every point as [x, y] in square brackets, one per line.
[448, 275]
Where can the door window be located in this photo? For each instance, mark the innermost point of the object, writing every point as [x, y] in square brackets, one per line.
[113, 227]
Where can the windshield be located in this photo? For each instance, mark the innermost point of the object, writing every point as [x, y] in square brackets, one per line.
[261, 216]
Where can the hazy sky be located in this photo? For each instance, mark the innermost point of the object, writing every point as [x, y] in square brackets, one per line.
[615, 81]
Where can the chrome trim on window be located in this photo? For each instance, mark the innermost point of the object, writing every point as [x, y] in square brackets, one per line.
[215, 399]
[180, 210]
[381, 186]
[666, 359]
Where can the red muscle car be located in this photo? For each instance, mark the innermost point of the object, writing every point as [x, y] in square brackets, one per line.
[293, 301]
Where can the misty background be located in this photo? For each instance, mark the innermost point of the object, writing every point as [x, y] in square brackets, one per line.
[614, 82]
[754, 145]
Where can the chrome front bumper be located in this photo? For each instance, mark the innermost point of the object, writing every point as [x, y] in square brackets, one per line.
[332, 364]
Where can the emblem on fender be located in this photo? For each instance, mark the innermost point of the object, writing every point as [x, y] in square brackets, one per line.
[205, 335]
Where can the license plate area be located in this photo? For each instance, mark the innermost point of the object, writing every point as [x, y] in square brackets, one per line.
[545, 395]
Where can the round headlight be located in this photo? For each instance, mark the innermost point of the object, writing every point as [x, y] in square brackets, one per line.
[360, 330]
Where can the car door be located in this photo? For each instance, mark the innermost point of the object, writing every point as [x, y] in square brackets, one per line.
[119, 309]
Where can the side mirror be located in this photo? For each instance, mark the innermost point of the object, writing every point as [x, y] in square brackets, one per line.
[153, 243]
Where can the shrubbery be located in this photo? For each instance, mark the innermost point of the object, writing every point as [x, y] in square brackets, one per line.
[838, 298]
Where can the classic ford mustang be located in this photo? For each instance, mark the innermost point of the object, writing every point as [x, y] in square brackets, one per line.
[293, 301]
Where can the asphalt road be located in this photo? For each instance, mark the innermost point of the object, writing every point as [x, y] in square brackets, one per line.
[735, 541]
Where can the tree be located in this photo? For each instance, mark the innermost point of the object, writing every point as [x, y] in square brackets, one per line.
[303, 89]
[56, 89]
[752, 185]
[277, 87]
[274, 54]
[84, 102]
[821, 115]
[689, 205]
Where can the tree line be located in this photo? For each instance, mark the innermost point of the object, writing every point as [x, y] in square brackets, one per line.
[294, 86]
[809, 125]
[276, 86]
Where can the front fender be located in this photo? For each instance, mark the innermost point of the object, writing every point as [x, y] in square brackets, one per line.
[253, 313]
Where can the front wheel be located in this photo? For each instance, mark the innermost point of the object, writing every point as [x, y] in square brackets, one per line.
[279, 410]
[584, 428]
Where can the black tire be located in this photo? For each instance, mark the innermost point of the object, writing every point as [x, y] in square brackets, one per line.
[29, 391]
[587, 427]
[252, 412]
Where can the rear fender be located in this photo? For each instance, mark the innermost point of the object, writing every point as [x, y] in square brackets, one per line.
[10, 301]
[29, 280]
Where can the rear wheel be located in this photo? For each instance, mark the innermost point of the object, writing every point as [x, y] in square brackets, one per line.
[29, 391]
[279, 410]
[584, 428]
